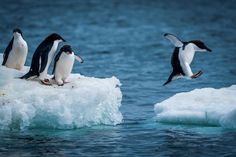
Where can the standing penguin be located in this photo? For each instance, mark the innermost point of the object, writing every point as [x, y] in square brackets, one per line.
[182, 57]
[15, 54]
[63, 64]
[42, 58]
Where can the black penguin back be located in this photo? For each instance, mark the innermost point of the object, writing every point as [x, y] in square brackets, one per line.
[7, 51]
[177, 69]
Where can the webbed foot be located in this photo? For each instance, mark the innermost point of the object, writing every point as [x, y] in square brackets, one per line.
[196, 75]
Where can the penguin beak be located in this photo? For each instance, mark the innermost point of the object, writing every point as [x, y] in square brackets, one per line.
[209, 50]
[63, 40]
[78, 58]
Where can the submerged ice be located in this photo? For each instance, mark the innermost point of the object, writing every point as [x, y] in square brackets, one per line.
[207, 106]
[85, 101]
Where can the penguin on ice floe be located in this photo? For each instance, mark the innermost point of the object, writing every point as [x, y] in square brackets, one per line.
[15, 54]
[182, 57]
[63, 64]
[42, 58]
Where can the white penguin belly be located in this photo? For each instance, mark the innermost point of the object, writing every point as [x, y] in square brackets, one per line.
[51, 53]
[185, 58]
[18, 54]
[187, 54]
[64, 66]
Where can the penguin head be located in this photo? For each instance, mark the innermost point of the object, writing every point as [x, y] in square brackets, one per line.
[66, 49]
[55, 37]
[17, 32]
[200, 46]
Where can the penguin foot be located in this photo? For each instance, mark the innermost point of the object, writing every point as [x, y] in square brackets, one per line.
[61, 84]
[46, 82]
[196, 75]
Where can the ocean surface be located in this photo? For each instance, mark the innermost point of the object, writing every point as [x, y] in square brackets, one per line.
[125, 39]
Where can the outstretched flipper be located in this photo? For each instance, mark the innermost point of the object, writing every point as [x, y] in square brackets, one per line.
[78, 58]
[174, 40]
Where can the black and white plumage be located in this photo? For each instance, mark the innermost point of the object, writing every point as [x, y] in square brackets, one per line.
[63, 64]
[15, 53]
[182, 57]
[43, 56]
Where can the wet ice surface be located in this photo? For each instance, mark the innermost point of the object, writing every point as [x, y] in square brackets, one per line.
[206, 106]
[84, 101]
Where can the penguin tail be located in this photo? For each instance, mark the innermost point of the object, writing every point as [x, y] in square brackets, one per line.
[169, 79]
[4, 62]
[27, 75]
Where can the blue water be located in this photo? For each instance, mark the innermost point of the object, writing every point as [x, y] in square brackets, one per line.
[125, 39]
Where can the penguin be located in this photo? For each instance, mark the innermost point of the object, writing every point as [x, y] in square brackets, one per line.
[16, 52]
[182, 57]
[63, 64]
[42, 58]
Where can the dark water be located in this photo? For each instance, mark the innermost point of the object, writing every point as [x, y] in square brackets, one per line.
[125, 39]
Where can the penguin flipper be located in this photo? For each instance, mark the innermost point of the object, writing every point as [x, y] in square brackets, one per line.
[54, 67]
[55, 61]
[78, 58]
[7, 51]
[173, 39]
[44, 60]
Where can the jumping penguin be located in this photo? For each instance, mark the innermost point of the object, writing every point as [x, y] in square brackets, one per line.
[42, 58]
[15, 54]
[182, 57]
[63, 64]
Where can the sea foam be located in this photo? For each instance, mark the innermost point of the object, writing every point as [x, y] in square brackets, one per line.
[85, 101]
[207, 106]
